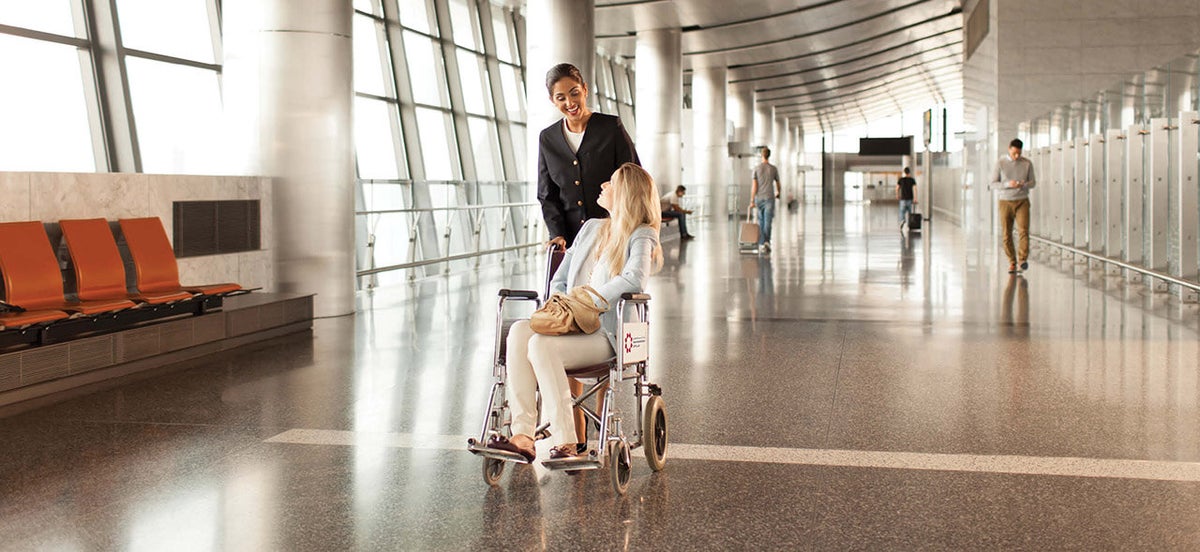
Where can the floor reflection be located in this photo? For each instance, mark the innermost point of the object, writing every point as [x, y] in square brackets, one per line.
[844, 337]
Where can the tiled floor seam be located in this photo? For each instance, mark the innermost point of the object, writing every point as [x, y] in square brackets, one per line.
[1043, 466]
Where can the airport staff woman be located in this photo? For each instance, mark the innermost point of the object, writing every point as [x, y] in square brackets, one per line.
[576, 155]
[614, 255]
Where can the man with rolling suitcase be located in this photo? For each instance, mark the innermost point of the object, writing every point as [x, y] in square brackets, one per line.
[906, 189]
[764, 190]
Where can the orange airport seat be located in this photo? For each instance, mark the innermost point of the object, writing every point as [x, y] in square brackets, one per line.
[99, 270]
[154, 260]
[32, 280]
[21, 319]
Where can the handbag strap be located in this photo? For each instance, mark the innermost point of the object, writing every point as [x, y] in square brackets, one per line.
[597, 295]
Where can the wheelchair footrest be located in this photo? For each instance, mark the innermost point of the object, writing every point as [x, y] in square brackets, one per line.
[580, 463]
[480, 450]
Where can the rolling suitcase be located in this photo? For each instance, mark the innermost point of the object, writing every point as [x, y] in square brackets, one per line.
[914, 221]
[748, 236]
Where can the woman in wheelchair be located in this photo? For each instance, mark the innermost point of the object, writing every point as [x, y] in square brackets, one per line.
[614, 255]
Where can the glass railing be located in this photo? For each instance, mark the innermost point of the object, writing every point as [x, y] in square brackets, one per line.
[411, 229]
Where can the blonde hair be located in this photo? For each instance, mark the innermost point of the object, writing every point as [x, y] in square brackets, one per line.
[634, 204]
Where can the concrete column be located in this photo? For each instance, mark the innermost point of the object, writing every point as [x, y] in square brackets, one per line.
[741, 111]
[793, 141]
[708, 127]
[740, 107]
[287, 83]
[559, 31]
[780, 158]
[659, 104]
[764, 126]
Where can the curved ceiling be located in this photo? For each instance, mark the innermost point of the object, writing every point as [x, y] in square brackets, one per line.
[822, 63]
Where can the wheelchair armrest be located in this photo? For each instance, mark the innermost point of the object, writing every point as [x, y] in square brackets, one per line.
[636, 297]
[518, 294]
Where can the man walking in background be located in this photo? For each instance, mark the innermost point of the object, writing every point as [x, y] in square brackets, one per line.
[764, 190]
[1014, 178]
[906, 193]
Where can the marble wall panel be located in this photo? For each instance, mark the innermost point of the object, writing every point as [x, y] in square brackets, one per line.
[57, 196]
[266, 214]
[254, 270]
[165, 189]
[209, 269]
[14, 196]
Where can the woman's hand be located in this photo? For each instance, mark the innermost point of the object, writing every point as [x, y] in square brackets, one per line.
[559, 241]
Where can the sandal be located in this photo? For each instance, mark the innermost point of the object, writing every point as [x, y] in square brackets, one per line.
[500, 442]
[569, 450]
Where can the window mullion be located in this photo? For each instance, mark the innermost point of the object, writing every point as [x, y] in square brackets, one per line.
[454, 84]
[112, 88]
[411, 148]
[499, 107]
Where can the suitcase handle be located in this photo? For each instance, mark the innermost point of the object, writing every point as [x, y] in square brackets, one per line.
[750, 214]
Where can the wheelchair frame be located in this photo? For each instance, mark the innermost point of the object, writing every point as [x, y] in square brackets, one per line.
[613, 450]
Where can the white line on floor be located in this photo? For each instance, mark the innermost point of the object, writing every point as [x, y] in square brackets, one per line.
[975, 463]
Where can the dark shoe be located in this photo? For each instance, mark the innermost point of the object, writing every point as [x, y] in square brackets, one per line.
[1012, 268]
[500, 442]
[687, 237]
[1024, 266]
[569, 450]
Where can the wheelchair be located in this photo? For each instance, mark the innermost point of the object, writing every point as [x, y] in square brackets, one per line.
[613, 452]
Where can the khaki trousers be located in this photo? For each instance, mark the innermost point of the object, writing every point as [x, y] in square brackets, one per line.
[1010, 212]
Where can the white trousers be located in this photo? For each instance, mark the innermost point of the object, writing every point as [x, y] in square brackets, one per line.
[534, 361]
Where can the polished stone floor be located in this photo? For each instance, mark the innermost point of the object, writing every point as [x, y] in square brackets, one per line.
[855, 389]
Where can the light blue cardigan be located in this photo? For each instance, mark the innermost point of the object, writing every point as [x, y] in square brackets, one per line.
[632, 279]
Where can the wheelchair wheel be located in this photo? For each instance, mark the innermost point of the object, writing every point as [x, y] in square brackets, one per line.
[654, 433]
[620, 467]
[492, 470]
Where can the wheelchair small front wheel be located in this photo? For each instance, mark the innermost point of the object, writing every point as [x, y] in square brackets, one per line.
[620, 467]
[654, 433]
[492, 470]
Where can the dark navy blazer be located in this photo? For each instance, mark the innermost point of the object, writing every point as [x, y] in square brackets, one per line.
[569, 183]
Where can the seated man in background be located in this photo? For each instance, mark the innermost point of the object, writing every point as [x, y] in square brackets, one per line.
[671, 210]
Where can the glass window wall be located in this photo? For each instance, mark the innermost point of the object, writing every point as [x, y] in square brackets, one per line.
[43, 110]
[178, 113]
[183, 31]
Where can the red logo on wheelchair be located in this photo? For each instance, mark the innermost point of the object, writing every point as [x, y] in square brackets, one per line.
[637, 336]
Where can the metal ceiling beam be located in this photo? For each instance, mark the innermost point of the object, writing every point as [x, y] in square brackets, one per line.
[869, 80]
[859, 42]
[852, 60]
[854, 72]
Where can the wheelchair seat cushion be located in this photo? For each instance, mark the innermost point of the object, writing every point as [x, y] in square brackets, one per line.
[593, 371]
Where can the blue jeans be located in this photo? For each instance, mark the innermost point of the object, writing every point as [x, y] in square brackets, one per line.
[905, 209]
[681, 217]
[766, 212]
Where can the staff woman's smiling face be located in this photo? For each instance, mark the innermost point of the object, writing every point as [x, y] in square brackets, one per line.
[570, 97]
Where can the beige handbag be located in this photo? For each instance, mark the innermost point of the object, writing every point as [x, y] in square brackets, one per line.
[572, 312]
